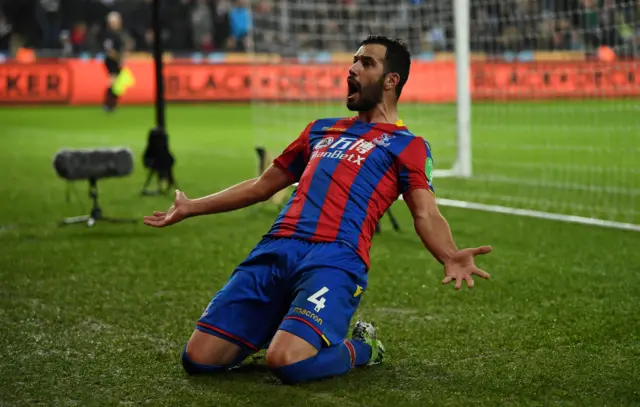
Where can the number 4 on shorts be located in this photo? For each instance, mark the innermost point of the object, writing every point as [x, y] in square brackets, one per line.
[317, 298]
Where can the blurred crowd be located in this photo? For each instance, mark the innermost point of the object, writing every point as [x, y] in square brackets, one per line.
[573, 25]
[76, 26]
[293, 26]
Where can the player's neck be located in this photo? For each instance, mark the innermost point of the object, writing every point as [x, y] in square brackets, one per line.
[382, 113]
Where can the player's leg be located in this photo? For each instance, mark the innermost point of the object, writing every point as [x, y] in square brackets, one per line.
[296, 360]
[243, 316]
[110, 98]
[218, 343]
[311, 342]
[206, 353]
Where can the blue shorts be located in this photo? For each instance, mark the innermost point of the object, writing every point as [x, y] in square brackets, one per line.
[309, 289]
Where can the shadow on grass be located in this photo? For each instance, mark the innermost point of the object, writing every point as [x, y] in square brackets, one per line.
[79, 232]
[386, 375]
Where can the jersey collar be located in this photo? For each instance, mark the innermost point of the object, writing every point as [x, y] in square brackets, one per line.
[399, 123]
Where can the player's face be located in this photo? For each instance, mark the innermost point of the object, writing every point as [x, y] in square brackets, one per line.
[115, 22]
[366, 78]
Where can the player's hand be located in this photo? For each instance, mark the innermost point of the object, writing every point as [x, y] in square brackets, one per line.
[177, 212]
[461, 267]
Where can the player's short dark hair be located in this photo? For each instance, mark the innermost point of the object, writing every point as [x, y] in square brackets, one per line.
[397, 58]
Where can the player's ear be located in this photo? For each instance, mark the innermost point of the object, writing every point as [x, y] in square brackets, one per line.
[391, 81]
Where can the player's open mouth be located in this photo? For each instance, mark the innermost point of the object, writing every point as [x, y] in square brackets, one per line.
[353, 89]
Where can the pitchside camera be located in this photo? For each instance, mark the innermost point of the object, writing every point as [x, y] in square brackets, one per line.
[92, 165]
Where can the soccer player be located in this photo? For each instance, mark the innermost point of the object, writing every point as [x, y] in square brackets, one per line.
[296, 292]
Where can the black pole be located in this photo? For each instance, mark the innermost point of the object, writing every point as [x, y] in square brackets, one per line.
[157, 158]
[157, 55]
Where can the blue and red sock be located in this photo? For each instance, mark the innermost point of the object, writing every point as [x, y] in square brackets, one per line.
[333, 361]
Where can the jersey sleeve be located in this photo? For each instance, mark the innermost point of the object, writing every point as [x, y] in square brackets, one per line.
[293, 160]
[415, 167]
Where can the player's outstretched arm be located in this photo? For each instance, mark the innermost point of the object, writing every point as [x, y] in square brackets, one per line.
[435, 233]
[238, 196]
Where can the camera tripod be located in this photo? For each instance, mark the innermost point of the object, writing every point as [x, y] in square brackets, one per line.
[96, 212]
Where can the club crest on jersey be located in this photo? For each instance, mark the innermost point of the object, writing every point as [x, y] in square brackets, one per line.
[323, 143]
[383, 140]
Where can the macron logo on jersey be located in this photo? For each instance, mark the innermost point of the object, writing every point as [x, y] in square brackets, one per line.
[344, 148]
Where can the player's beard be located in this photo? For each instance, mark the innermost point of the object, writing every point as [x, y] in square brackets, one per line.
[368, 98]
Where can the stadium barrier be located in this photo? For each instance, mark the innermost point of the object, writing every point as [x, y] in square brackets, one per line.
[82, 82]
[547, 80]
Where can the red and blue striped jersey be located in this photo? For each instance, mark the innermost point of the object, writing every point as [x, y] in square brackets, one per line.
[349, 173]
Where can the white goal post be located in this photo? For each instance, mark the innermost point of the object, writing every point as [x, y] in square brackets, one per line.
[462, 165]
[556, 119]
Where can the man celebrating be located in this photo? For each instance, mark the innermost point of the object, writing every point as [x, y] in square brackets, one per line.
[297, 291]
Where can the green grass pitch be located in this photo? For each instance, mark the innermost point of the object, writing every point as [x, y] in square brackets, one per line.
[99, 316]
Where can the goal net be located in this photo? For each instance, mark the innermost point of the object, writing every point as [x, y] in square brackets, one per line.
[531, 107]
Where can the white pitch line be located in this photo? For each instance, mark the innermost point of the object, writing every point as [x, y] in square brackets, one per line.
[538, 214]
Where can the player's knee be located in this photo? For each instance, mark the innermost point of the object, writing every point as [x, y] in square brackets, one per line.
[277, 357]
[208, 349]
[191, 365]
[197, 359]
[188, 364]
[287, 348]
[289, 366]
[193, 355]
[281, 362]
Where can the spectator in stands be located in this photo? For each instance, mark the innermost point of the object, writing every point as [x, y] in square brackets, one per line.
[5, 33]
[626, 33]
[55, 20]
[20, 15]
[590, 24]
[79, 35]
[181, 37]
[140, 25]
[50, 22]
[546, 32]
[510, 40]
[576, 43]
[221, 23]
[609, 24]
[240, 24]
[269, 40]
[436, 36]
[202, 25]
